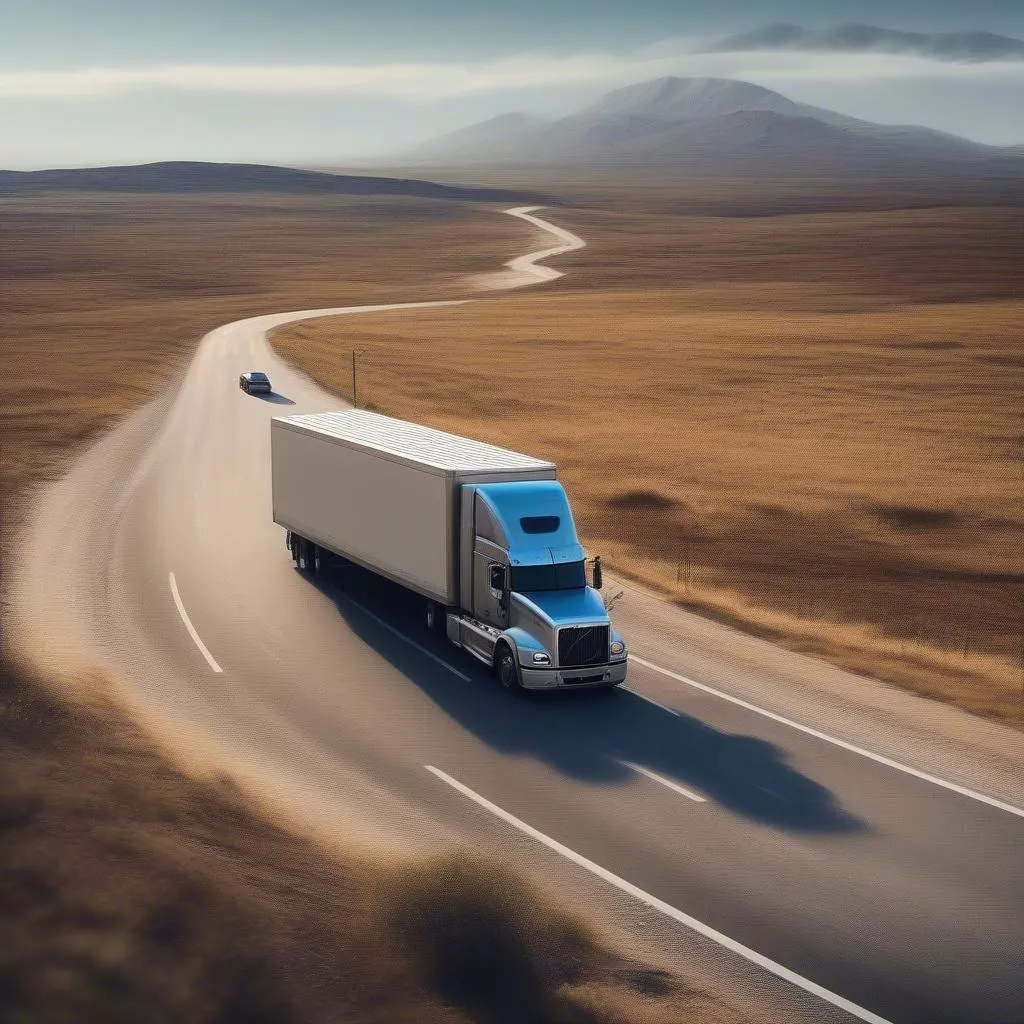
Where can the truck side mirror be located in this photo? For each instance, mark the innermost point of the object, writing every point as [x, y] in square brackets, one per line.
[497, 579]
[598, 575]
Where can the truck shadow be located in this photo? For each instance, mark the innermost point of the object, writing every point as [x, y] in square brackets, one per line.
[588, 735]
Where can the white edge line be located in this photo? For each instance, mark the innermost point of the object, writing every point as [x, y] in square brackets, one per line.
[668, 783]
[660, 905]
[412, 643]
[934, 779]
[188, 625]
[651, 700]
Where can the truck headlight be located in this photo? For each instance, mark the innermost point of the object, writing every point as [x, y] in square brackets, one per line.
[617, 647]
[541, 659]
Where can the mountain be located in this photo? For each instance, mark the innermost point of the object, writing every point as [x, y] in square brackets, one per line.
[686, 99]
[196, 177]
[505, 134]
[950, 46]
[713, 126]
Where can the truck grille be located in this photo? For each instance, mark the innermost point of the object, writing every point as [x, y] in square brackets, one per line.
[582, 645]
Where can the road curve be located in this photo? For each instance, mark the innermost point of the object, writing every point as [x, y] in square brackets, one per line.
[783, 829]
[530, 269]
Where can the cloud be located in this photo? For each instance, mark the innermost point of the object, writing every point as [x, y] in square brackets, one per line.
[411, 81]
[768, 66]
[430, 81]
[951, 46]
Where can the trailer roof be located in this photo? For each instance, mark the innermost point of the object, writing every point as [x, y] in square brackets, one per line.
[413, 442]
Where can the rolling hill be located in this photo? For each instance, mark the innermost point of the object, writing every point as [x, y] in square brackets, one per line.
[177, 177]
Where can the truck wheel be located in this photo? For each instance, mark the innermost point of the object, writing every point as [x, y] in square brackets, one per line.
[508, 671]
[436, 618]
[303, 554]
[319, 562]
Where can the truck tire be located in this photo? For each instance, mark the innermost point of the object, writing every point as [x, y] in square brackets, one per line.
[302, 548]
[436, 618]
[507, 669]
[319, 562]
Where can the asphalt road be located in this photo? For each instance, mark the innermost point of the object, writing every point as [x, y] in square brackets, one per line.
[781, 828]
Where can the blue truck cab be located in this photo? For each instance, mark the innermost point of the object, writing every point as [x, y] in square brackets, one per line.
[527, 607]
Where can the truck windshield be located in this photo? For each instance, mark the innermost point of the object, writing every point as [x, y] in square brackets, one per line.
[566, 576]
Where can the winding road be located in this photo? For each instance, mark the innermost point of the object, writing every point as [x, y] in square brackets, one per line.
[780, 829]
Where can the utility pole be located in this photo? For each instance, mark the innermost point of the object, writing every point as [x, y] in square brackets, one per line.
[355, 404]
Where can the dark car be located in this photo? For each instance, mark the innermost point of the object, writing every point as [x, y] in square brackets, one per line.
[254, 380]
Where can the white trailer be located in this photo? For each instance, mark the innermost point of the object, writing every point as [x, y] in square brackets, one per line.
[383, 492]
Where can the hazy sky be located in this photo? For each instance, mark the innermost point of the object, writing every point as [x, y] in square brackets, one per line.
[314, 81]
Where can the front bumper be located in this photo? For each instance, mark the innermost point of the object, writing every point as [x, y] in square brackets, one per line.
[573, 678]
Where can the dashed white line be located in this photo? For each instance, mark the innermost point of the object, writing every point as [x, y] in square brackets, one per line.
[660, 905]
[887, 761]
[651, 700]
[668, 783]
[188, 625]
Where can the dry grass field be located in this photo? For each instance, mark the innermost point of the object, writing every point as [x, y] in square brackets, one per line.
[129, 892]
[807, 423]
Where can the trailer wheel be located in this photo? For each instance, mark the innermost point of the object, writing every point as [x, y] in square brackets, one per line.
[303, 554]
[319, 562]
[507, 669]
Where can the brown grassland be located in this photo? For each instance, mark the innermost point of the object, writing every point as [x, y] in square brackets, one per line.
[128, 891]
[798, 410]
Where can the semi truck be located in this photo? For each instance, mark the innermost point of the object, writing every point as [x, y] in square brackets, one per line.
[485, 536]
